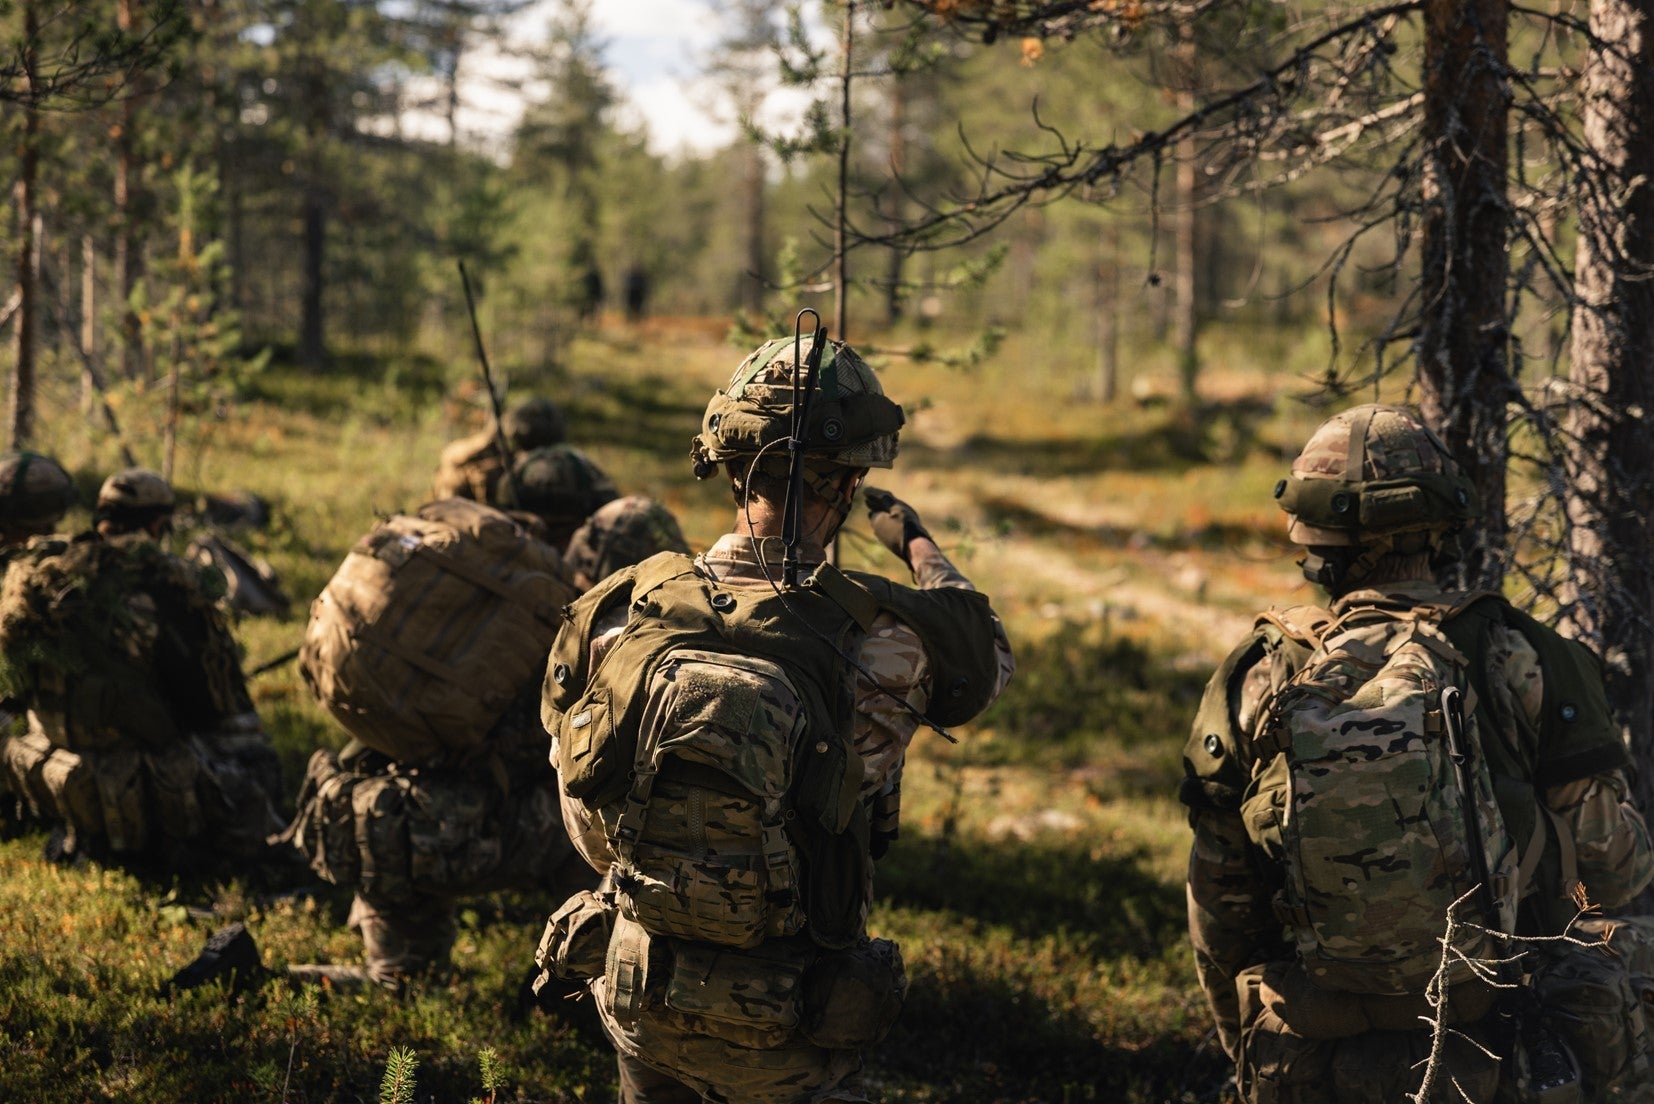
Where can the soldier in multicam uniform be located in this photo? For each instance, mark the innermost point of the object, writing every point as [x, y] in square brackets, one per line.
[421, 837]
[142, 738]
[900, 670]
[1542, 695]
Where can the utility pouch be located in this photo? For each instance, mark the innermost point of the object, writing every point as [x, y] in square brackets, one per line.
[750, 998]
[576, 940]
[1590, 999]
[852, 997]
[633, 962]
[1546, 1071]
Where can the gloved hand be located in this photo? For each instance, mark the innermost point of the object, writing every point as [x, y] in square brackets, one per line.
[895, 523]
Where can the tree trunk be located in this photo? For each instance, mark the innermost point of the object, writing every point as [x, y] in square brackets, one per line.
[895, 258]
[754, 186]
[1183, 230]
[88, 321]
[841, 198]
[312, 336]
[1105, 309]
[21, 414]
[1463, 343]
[128, 253]
[1610, 422]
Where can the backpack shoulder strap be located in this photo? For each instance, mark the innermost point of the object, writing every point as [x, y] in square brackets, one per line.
[1302, 625]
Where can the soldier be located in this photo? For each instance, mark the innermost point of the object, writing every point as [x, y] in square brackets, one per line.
[1316, 924]
[142, 739]
[414, 838]
[471, 467]
[680, 694]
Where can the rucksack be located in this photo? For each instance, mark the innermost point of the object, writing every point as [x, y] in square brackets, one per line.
[431, 626]
[1373, 793]
[714, 744]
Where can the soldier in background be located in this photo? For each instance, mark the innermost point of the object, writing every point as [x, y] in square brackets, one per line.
[1376, 503]
[414, 839]
[624, 532]
[472, 467]
[35, 493]
[142, 740]
[724, 968]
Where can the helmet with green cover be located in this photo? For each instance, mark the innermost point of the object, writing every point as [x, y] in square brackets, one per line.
[1376, 480]
[851, 422]
[35, 493]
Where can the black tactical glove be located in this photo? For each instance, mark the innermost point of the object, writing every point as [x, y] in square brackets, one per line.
[895, 523]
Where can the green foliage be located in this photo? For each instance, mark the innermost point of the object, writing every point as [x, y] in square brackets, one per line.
[399, 1084]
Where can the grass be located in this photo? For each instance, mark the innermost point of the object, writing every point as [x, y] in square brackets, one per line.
[1036, 889]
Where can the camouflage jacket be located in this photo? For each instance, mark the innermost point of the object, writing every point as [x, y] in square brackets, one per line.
[891, 652]
[1576, 770]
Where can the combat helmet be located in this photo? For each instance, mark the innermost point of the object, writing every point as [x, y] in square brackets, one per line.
[534, 423]
[852, 424]
[35, 493]
[560, 485]
[626, 531]
[1375, 480]
[132, 498]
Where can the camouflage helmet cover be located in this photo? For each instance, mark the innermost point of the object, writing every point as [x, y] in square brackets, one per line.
[135, 489]
[35, 492]
[626, 531]
[852, 423]
[534, 423]
[1372, 471]
[557, 482]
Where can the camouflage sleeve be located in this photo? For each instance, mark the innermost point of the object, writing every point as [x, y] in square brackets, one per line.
[893, 655]
[1230, 921]
[933, 570]
[1611, 839]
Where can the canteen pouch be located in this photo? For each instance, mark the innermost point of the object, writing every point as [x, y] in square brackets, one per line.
[575, 944]
[750, 998]
[852, 997]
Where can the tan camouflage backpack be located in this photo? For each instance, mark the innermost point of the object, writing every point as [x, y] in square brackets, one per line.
[713, 743]
[1373, 793]
[432, 625]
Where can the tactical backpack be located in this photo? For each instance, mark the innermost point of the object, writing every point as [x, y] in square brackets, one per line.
[431, 626]
[1374, 794]
[714, 745]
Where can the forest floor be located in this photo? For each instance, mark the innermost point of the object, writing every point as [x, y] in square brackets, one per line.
[1036, 889]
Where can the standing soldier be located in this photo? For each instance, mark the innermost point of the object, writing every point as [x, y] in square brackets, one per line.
[729, 733]
[142, 739]
[1408, 766]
